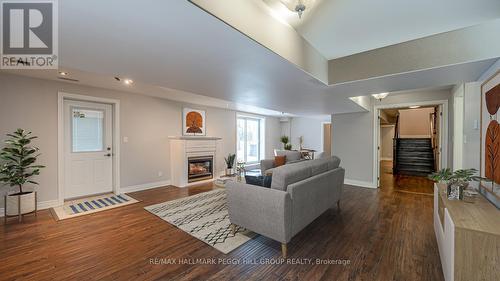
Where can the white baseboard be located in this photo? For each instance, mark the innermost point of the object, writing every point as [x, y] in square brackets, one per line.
[144, 186]
[366, 184]
[40, 206]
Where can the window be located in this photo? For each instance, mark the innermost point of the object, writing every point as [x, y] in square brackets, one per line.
[87, 131]
[250, 135]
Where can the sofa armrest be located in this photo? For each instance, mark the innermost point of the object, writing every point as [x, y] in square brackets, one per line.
[265, 165]
[262, 210]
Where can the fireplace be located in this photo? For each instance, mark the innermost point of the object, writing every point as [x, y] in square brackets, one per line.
[200, 168]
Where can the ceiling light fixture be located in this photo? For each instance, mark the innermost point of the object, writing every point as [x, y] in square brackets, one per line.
[414, 106]
[63, 73]
[128, 82]
[380, 96]
[298, 6]
[124, 80]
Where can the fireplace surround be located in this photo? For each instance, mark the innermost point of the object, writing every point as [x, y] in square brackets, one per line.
[194, 159]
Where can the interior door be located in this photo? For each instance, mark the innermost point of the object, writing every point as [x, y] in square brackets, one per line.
[88, 152]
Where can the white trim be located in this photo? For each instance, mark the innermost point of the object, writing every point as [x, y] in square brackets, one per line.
[323, 135]
[386, 159]
[443, 131]
[40, 206]
[60, 139]
[145, 186]
[365, 184]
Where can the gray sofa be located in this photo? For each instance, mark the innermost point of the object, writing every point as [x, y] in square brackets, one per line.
[299, 193]
[292, 156]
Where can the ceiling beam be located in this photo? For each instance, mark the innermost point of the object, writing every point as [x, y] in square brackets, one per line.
[465, 45]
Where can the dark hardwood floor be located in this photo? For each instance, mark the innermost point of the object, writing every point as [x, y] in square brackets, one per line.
[384, 234]
[402, 183]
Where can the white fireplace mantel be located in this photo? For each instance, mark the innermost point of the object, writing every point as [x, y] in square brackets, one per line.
[183, 147]
[193, 138]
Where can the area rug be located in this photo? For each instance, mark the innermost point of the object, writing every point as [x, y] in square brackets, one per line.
[90, 205]
[205, 217]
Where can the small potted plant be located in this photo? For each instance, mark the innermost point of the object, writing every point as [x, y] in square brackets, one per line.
[442, 176]
[16, 170]
[286, 145]
[230, 164]
[460, 181]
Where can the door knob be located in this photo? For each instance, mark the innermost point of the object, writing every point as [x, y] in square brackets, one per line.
[108, 155]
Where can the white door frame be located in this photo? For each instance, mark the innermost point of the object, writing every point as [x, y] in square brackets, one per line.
[443, 133]
[62, 96]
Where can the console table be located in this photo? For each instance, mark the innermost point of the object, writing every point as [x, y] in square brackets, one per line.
[468, 237]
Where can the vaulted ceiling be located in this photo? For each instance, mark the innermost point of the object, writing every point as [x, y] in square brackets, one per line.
[338, 28]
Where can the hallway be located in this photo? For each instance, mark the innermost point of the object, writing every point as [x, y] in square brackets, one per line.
[402, 183]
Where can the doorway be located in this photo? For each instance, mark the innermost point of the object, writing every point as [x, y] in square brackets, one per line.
[326, 129]
[88, 146]
[409, 145]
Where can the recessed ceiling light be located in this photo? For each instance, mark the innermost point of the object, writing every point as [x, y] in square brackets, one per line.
[63, 73]
[414, 106]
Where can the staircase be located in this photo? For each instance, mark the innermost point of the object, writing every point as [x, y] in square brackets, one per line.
[415, 156]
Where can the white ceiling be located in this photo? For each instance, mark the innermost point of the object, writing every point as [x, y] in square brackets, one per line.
[176, 45]
[338, 28]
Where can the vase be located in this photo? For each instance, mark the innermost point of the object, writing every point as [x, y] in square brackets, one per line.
[18, 204]
[456, 190]
[229, 171]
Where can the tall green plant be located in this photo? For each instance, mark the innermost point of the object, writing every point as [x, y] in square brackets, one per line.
[230, 160]
[284, 139]
[19, 157]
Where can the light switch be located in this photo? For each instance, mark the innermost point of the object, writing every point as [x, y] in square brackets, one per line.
[125, 139]
[476, 124]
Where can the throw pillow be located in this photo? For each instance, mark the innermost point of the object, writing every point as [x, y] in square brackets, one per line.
[279, 161]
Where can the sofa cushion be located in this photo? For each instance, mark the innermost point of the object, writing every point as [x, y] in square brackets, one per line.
[319, 166]
[279, 160]
[291, 155]
[333, 163]
[290, 173]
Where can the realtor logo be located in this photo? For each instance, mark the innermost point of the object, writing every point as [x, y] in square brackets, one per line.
[29, 35]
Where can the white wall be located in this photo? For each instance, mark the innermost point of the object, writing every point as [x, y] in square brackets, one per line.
[386, 141]
[472, 117]
[310, 129]
[147, 122]
[352, 135]
[415, 123]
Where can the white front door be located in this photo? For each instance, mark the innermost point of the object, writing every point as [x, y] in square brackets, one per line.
[88, 151]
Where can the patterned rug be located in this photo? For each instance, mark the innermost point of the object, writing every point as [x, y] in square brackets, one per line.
[205, 217]
[89, 205]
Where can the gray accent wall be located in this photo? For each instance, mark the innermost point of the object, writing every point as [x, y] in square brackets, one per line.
[31, 104]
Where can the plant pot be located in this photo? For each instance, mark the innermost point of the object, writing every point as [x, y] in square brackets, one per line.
[229, 171]
[20, 203]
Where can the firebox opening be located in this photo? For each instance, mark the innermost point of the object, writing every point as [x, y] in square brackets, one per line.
[200, 168]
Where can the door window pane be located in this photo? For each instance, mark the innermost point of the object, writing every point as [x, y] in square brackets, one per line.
[88, 130]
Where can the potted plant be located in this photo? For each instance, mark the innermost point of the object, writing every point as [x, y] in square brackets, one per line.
[230, 164]
[460, 181]
[442, 176]
[17, 169]
[286, 145]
